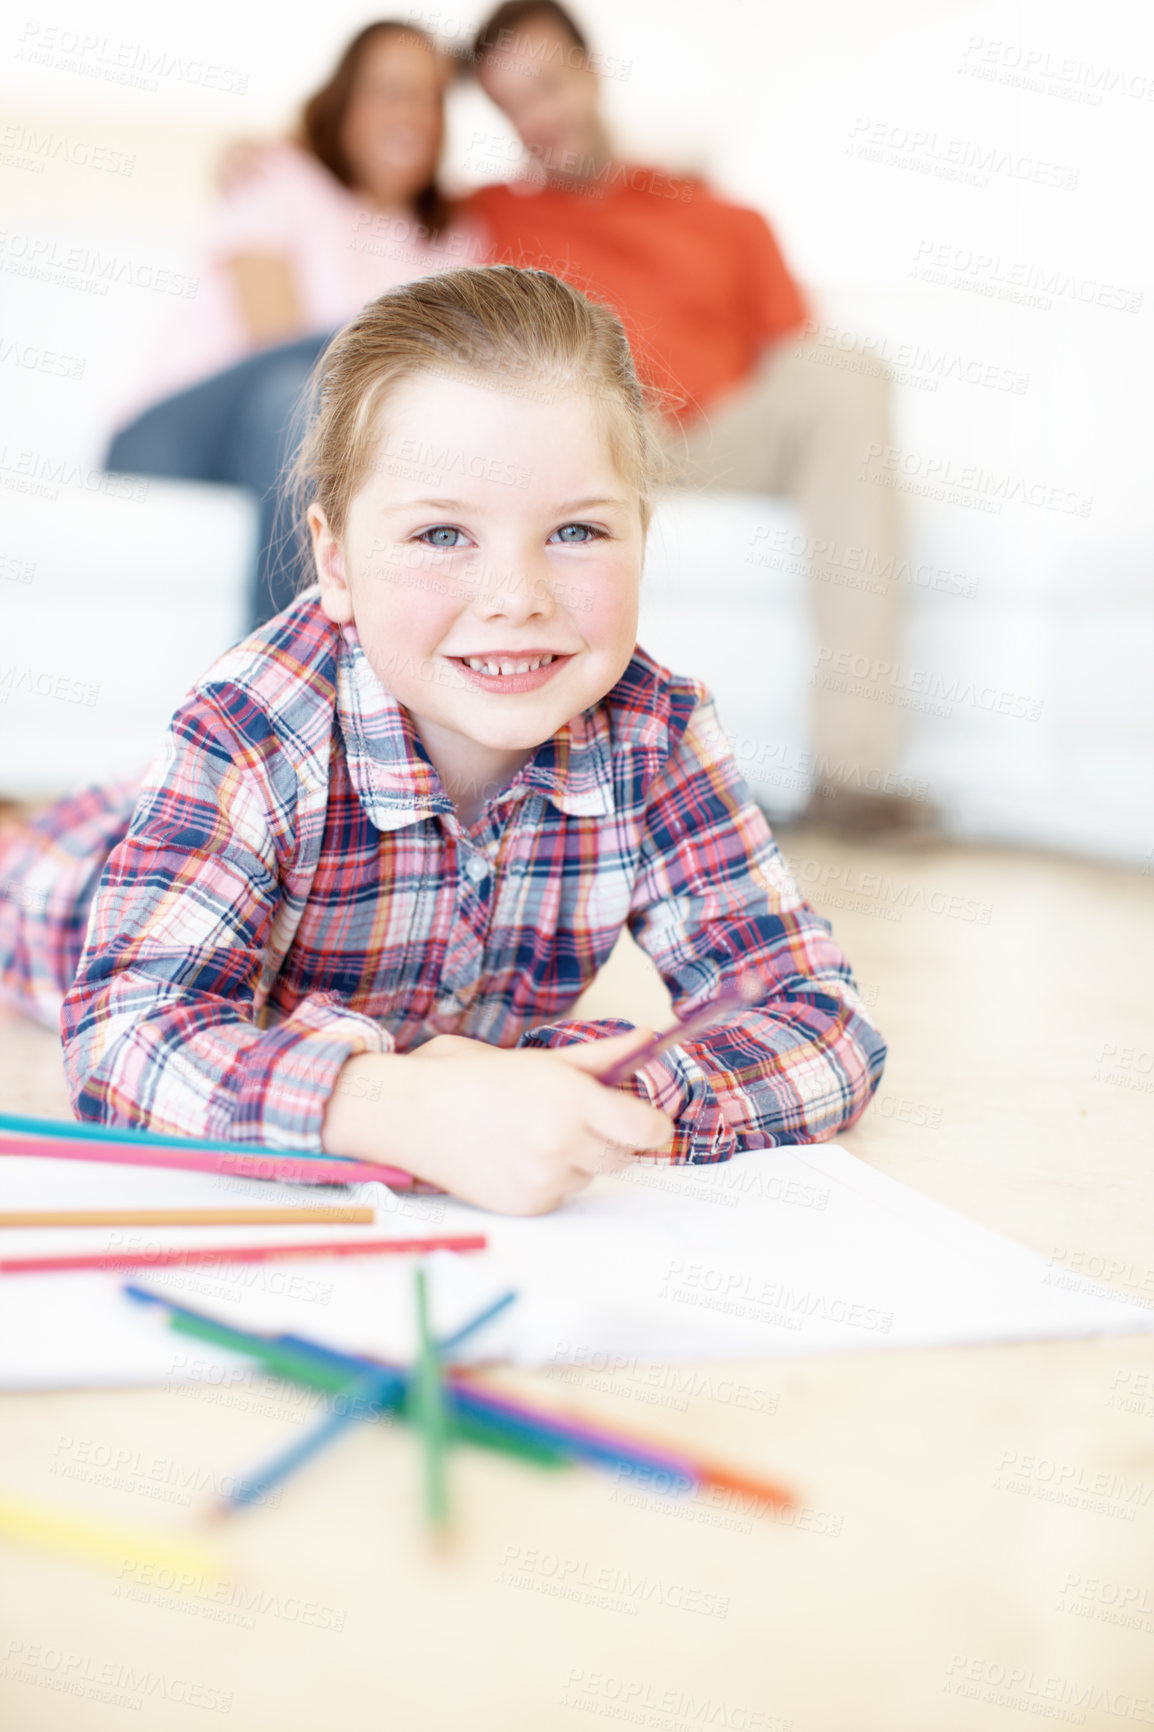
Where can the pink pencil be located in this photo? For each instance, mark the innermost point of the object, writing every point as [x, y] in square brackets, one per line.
[235, 1254]
[258, 1165]
[739, 997]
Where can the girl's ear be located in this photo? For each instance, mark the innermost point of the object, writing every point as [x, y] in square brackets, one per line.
[336, 597]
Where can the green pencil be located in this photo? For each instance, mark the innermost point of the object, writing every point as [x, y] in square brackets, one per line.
[430, 1407]
[312, 1373]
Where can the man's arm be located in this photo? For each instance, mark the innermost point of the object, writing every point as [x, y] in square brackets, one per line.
[777, 304]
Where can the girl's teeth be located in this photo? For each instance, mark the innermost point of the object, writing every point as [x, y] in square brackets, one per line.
[501, 668]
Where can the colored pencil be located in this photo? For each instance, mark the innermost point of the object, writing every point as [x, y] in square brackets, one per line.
[331, 1374]
[238, 1160]
[357, 1401]
[449, 1343]
[611, 1448]
[468, 1398]
[83, 1130]
[126, 1549]
[747, 991]
[295, 1356]
[236, 1254]
[372, 1392]
[350, 1217]
[429, 1398]
[276, 1359]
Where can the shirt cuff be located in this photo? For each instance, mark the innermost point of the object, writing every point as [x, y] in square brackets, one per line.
[277, 1093]
[675, 1083]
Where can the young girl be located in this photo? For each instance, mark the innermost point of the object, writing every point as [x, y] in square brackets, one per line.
[394, 833]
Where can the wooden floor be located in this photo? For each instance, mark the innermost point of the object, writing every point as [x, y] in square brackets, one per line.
[977, 1535]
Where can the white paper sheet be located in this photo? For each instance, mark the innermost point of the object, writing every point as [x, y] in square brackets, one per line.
[773, 1255]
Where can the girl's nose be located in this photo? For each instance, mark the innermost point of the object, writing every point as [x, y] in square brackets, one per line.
[523, 593]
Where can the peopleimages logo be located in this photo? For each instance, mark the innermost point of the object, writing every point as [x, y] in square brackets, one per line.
[852, 566]
[967, 160]
[917, 688]
[1071, 1483]
[86, 268]
[23, 146]
[972, 484]
[88, 1675]
[613, 1696]
[1025, 66]
[140, 65]
[16, 680]
[909, 363]
[1041, 1693]
[742, 1294]
[608, 1587]
[1023, 282]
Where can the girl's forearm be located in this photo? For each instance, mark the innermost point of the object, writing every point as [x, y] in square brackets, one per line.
[372, 1113]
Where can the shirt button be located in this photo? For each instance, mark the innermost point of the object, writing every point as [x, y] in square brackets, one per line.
[449, 1005]
[477, 868]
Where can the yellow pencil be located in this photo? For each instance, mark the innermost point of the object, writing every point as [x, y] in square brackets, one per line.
[165, 1559]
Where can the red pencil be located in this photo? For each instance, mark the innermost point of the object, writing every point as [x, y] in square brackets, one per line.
[235, 1254]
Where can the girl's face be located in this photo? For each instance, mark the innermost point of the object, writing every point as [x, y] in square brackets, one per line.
[491, 563]
[393, 124]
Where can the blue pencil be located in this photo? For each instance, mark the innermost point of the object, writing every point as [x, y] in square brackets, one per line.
[21, 1124]
[366, 1398]
[377, 1389]
[316, 1349]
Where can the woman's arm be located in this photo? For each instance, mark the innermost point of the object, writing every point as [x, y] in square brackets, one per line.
[254, 234]
[266, 294]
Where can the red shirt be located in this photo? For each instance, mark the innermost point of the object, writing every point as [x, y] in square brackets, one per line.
[699, 285]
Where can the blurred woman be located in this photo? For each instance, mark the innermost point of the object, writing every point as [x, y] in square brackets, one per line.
[309, 228]
[307, 231]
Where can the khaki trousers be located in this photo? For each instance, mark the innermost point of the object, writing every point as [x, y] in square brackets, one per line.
[811, 423]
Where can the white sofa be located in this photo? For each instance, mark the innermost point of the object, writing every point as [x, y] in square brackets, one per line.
[112, 603]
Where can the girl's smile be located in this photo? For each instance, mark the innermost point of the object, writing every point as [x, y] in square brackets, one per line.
[505, 672]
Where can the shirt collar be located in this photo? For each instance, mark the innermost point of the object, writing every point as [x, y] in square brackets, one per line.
[397, 783]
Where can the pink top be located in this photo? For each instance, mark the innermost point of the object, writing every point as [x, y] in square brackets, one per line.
[341, 255]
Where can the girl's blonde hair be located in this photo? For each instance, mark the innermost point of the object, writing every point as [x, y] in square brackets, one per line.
[523, 331]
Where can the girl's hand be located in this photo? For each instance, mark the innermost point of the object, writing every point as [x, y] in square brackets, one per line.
[515, 1131]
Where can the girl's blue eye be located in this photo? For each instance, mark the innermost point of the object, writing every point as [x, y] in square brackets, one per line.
[584, 532]
[442, 536]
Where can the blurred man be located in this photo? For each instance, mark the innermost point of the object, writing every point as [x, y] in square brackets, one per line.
[716, 324]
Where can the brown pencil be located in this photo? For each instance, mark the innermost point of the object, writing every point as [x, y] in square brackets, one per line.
[185, 1217]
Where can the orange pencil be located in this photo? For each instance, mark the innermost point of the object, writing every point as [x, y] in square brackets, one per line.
[167, 1259]
[608, 1446]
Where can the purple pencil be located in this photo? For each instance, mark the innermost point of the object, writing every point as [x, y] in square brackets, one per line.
[746, 992]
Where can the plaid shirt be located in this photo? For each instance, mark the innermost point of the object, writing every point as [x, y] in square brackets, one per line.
[295, 887]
